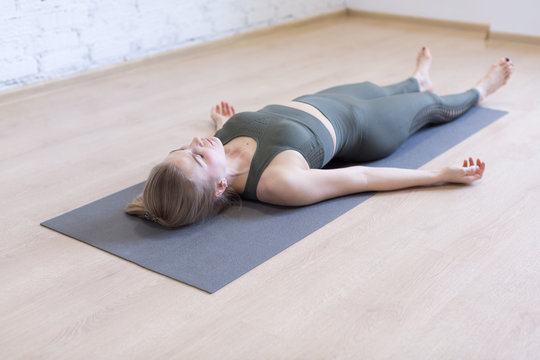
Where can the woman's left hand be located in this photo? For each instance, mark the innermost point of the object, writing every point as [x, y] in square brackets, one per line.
[220, 114]
[469, 172]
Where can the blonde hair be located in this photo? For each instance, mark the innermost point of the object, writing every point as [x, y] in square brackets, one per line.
[172, 199]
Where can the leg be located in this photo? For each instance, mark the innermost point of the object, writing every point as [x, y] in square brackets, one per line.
[418, 82]
[368, 90]
[386, 123]
[378, 127]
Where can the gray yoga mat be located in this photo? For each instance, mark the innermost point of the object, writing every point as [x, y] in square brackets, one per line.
[210, 255]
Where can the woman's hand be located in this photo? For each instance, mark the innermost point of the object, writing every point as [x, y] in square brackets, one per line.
[220, 114]
[469, 172]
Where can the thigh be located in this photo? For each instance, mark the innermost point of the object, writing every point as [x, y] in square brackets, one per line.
[368, 90]
[384, 124]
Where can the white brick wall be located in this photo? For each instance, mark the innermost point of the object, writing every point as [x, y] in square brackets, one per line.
[45, 39]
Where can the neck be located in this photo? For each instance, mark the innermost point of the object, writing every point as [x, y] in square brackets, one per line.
[236, 163]
[239, 156]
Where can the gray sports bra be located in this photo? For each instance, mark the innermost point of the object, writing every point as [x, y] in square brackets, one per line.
[277, 128]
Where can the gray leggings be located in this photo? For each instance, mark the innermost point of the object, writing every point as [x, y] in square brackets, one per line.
[371, 121]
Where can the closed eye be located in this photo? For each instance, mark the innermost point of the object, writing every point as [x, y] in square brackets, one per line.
[180, 148]
[198, 158]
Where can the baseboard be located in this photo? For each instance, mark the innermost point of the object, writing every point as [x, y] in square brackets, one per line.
[484, 28]
[527, 39]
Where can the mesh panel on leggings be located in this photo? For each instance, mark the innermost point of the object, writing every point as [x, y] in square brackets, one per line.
[446, 110]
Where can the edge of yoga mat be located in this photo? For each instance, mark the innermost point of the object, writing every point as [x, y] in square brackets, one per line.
[211, 254]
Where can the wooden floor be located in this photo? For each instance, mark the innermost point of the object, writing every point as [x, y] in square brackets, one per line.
[434, 273]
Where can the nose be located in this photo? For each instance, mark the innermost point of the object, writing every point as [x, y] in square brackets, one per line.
[196, 142]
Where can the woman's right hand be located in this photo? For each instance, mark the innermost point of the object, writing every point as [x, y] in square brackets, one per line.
[220, 114]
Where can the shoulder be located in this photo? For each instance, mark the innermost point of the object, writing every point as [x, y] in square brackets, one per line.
[279, 180]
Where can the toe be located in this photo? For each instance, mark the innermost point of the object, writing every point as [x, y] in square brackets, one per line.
[426, 52]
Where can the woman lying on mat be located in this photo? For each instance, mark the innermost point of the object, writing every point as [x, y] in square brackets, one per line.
[276, 155]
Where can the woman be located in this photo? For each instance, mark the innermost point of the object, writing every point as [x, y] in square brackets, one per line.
[276, 155]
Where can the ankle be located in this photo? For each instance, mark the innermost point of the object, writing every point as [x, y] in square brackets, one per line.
[481, 92]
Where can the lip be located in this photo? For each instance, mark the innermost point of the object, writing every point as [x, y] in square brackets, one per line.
[213, 141]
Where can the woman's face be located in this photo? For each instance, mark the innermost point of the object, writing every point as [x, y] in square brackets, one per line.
[202, 160]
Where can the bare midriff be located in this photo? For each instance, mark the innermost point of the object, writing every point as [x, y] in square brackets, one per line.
[314, 112]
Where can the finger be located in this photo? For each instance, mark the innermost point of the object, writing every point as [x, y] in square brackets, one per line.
[471, 161]
[227, 109]
[479, 164]
[465, 163]
[483, 164]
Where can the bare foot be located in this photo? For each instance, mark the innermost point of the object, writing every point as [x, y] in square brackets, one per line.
[421, 73]
[497, 76]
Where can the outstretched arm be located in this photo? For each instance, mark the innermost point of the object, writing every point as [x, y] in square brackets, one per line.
[220, 114]
[309, 186]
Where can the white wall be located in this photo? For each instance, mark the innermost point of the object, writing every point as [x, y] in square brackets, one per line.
[44, 39]
[508, 16]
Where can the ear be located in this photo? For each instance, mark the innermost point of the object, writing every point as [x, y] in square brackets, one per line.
[221, 187]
